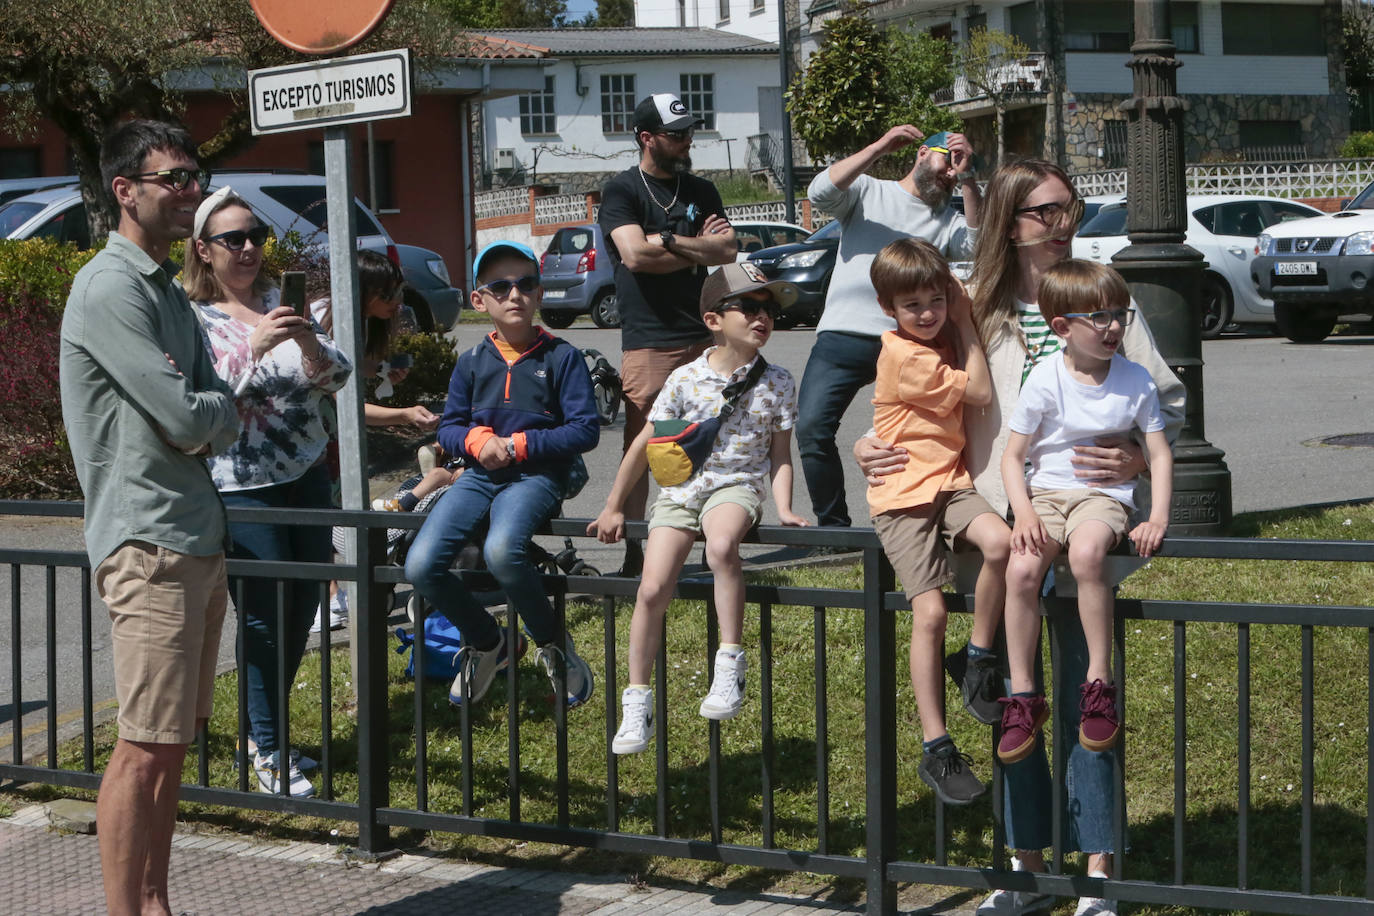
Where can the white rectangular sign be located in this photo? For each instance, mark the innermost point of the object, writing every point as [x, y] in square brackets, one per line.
[323, 93]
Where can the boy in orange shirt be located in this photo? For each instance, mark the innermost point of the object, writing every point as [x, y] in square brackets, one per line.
[928, 369]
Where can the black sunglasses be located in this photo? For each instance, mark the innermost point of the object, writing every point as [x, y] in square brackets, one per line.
[177, 178]
[234, 238]
[678, 135]
[1054, 213]
[501, 288]
[750, 307]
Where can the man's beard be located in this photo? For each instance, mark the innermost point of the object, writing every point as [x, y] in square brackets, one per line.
[673, 165]
[930, 189]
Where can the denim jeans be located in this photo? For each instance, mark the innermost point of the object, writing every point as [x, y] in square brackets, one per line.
[839, 366]
[257, 653]
[516, 508]
[1088, 795]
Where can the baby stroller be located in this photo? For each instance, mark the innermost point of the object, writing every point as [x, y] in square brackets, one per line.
[605, 385]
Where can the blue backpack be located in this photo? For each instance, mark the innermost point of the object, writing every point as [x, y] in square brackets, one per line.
[441, 644]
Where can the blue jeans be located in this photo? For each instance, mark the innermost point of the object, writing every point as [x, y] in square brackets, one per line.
[516, 509]
[1088, 795]
[839, 366]
[257, 654]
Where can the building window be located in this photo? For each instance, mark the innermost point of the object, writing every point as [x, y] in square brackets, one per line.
[1272, 28]
[1268, 141]
[682, 13]
[536, 110]
[1183, 27]
[383, 197]
[1022, 23]
[756, 5]
[1114, 144]
[723, 11]
[20, 162]
[1102, 25]
[698, 93]
[617, 103]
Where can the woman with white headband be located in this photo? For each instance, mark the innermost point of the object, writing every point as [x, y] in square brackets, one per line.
[283, 369]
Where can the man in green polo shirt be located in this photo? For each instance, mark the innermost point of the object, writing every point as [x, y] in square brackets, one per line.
[143, 407]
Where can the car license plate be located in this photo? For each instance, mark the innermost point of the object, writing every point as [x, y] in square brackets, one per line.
[1295, 268]
[555, 293]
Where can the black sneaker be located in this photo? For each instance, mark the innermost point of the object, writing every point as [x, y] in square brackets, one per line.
[979, 683]
[950, 774]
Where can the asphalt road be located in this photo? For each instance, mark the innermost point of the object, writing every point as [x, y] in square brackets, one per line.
[1269, 403]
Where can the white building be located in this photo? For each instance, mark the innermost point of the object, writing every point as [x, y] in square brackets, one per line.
[577, 130]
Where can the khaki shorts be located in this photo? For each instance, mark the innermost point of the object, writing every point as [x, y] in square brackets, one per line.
[916, 540]
[1061, 511]
[668, 514]
[166, 611]
[642, 374]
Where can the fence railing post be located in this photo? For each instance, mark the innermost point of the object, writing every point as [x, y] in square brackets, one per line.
[880, 735]
[370, 680]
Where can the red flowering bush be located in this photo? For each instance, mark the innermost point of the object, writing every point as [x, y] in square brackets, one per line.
[35, 460]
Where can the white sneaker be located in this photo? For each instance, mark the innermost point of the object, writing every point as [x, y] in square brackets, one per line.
[636, 721]
[578, 677]
[299, 760]
[727, 687]
[476, 670]
[269, 778]
[1095, 906]
[338, 612]
[1014, 903]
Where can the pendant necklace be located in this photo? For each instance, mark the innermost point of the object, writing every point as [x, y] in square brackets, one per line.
[677, 189]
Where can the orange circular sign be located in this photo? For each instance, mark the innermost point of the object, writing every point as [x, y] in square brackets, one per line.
[320, 28]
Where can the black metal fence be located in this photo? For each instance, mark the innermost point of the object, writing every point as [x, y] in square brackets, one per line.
[877, 860]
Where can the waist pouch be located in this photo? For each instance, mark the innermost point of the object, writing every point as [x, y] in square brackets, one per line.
[679, 448]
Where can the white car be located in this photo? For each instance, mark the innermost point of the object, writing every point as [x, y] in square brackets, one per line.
[754, 237]
[1224, 228]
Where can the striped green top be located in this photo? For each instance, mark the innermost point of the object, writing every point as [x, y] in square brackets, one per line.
[1035, 332]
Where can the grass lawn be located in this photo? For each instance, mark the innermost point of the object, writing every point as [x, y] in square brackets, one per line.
[1340, 723]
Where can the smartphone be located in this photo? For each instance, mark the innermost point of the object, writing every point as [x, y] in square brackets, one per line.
[401, 360]
[293, 291]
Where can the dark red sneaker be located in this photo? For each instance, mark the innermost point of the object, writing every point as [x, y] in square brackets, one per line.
[1021, 720]
[1098, 726]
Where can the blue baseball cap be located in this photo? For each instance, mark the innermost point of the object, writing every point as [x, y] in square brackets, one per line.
[498, 247]
[940, 144]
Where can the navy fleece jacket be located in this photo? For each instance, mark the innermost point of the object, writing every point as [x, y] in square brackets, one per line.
[546, 394]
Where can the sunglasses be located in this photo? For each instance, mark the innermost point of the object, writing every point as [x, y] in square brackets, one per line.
[1103, 318]
[501, 288]
[234, 239]
[1054, 213]
[750, 307]
[678, 135]
[177, 178]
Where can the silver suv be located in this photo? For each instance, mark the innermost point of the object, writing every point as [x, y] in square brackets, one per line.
[287, 201]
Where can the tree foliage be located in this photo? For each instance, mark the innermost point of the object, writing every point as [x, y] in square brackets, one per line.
[989, 62]
[89, 64]
[1357, 47]
[611, 14]
[863, 81]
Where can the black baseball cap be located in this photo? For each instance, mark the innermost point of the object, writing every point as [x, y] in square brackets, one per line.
[664, 111]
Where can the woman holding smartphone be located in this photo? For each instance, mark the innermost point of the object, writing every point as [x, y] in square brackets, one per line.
[283, 369]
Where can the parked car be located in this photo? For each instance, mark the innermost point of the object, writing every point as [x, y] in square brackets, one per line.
[1223, 228]
[578, 278]
[1317, 270]
[753, 236]
[286, 201]
[808, 264]
[11, 188]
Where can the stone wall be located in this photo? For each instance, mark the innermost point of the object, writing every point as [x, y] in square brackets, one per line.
[1211, 126]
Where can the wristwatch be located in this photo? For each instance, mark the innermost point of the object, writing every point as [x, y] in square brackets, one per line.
[668, 239]
[510, 449]
[963, 177]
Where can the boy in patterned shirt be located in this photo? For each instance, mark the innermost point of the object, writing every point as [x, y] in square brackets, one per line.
[722, 501]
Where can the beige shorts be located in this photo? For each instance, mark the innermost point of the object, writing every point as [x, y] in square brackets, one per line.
[642, 374]
[916, 540]
[668, 514]
[1061, 511]
[166, 611]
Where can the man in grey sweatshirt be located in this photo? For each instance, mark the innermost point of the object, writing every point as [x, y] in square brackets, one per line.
[872, 212]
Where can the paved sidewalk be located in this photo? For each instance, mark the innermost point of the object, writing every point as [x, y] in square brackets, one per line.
[49, 872]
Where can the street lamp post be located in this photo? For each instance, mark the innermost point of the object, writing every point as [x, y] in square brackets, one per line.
[1164, 273]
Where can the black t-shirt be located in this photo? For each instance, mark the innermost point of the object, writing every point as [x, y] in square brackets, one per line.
[658, 310]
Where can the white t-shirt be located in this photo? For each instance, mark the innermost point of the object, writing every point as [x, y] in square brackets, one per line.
[1058, 413]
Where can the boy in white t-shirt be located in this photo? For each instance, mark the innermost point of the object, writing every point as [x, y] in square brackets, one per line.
[1085, 391]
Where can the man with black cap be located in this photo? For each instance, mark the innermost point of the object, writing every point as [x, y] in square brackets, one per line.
[664, 227]
[872, 213]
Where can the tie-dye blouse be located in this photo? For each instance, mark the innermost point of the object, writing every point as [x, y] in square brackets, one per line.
[284, 430]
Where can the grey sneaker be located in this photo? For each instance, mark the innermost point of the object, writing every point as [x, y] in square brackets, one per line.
[950, 774]
[636, 721]
[980, 684]
[476, 670]
[1014, 903]
[727, 687]
[579, 680]
[1095, 906]
[269, 777]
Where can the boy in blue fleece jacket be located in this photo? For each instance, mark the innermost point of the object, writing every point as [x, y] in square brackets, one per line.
[519, 409]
